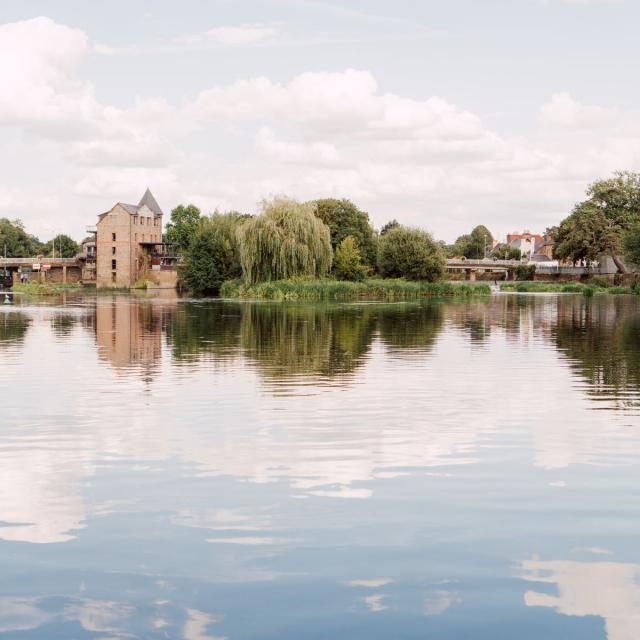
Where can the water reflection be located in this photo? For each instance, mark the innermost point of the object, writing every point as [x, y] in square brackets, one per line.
[610, 590]
[190, 467]
[601, 339]
[129, 332]
[13, 327]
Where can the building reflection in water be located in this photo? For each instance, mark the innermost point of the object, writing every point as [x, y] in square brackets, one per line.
[129, 331]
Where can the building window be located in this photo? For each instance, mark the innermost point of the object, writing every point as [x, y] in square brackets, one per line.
[135, 219]
[113, 279]
[113, 237]
[113, 251]
[113, 265]
[135, 237]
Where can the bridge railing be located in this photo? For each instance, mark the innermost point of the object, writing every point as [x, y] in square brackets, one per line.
[52, 261]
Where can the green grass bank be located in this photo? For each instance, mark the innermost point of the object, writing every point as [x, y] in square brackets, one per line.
[371, 289]
[44, 289]
[567, 287]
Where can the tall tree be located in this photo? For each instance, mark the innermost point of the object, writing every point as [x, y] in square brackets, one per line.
[631, 243]
[183, 226]
[62, 246]
[286, 240]
[597, 226]
[16, 241]
[410, 253]
[345, 219]
[474, 245]
[213, 254]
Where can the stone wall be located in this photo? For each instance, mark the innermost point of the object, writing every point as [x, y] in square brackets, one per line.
[165, 279]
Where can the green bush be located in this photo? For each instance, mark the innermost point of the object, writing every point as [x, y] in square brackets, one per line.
[410, 253]
[599, 281]
[525, 272]
[347, 263]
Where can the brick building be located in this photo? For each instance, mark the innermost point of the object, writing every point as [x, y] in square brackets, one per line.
[129, 243]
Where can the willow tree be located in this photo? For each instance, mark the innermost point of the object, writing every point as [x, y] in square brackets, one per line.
[286, 240]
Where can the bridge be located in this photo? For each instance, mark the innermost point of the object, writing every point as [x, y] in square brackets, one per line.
[52, 269]
[471, 267]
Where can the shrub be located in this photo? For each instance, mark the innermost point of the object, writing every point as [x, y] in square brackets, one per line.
[410, 253]
[212, 256]
[347, 263]
[599, 281]
[285, 241]
[525, 272]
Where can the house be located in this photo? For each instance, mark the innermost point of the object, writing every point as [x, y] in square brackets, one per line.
[525, 241]
[129, 246]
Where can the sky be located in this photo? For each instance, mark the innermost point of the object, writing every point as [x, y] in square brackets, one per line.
[442, 115]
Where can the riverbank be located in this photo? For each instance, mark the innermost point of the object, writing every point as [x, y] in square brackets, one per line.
[44, 289]
[371, 289]
[566, 287]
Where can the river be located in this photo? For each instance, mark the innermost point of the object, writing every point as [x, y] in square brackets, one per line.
[174, 468]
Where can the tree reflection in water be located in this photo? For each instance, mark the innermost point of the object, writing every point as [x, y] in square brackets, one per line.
[601, 339]
[13, 327]
[293, 340]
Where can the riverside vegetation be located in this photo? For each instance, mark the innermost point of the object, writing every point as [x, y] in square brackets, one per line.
[322, 250]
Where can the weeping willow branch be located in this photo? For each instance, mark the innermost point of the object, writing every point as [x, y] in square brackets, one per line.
[285, 241]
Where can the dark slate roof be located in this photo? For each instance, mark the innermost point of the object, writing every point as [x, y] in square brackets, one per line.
[131, 208]
[151, 202]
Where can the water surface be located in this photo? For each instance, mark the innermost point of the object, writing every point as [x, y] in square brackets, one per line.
[210, 469]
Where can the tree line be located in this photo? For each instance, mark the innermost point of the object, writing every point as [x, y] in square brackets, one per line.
[289, 239]
[15, 242]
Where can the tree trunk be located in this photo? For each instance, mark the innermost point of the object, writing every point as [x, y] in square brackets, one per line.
[619, 264]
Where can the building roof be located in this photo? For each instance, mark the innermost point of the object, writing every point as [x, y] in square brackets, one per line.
[131, 208]
[151, 202]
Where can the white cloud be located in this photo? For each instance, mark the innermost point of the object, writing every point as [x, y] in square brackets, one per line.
[424, 160]
[317, 153]
[38, 66]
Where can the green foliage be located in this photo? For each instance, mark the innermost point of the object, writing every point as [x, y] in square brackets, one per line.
[631, 244]
[598, 225]
[183, 226]
[45, 288]
[345, 219]
[474, 245]
[392, 224]
[599, 281]
[18, 243]
[213, 254]
[506, 252]
[562, 287]
[371, 289]
[285, 241]
[525, 272]
[62, 246]
[410, 253]
[347, 263]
